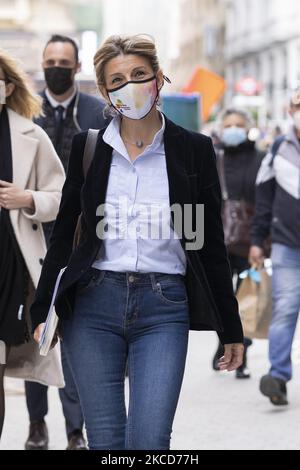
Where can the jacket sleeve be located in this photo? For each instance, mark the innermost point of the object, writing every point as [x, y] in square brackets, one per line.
[61, 240]
[214, 253]
[50, 177]
[264, 198]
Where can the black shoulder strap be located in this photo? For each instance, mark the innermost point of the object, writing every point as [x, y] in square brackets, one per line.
[89, 150]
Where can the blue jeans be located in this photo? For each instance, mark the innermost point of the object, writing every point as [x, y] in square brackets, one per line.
[140, 316]
[286, 306]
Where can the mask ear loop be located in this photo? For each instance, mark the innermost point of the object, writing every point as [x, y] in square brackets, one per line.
[158, 98]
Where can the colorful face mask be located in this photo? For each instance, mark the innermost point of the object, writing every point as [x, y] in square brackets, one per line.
[2, 92]
[135, 99]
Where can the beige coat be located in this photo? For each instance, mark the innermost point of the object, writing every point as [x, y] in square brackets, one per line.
[36, 167]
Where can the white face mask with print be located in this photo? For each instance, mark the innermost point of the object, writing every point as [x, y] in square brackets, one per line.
[2, 92]
[135, 99]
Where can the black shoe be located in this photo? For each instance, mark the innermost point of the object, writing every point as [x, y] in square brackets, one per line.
[38, 436]
[219, 353]
[242, 372]
[76, 441]
[275, 389]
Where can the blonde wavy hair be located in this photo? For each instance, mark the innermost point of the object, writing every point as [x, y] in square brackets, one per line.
[23, 100]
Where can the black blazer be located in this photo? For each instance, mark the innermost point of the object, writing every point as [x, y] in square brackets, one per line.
[193, 178]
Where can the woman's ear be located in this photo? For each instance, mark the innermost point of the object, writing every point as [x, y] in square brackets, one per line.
[10, 88]
[160, 80]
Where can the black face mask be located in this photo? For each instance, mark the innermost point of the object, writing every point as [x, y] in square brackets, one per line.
[58, 79]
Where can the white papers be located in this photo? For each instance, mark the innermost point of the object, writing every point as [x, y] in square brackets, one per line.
[51, 322]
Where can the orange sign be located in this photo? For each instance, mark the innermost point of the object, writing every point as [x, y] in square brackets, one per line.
[211, 87]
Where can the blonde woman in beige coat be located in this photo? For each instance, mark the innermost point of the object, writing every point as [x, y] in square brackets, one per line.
[31, 179]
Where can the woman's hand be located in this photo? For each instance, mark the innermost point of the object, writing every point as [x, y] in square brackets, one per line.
[38, 332]
[12, 197]
[233, 357]
[256, 257]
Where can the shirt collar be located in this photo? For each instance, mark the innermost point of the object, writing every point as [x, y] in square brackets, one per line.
[112, 137]
[55, 103]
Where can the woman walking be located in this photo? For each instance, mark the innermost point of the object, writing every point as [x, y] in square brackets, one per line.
[238, 165]
[130, 291]
[31, 178]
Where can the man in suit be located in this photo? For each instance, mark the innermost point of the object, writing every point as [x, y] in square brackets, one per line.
[67, 111]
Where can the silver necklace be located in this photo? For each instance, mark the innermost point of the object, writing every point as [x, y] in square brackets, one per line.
[139, 143]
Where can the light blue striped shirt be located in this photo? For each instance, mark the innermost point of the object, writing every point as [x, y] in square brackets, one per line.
[138, 220]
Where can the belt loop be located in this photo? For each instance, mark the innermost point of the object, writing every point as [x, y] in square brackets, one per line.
[153, 280]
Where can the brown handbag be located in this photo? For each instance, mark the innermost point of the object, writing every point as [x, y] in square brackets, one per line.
[89, 151]
[237, 217]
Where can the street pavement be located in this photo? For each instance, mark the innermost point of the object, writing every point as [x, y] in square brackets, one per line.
[215, 412]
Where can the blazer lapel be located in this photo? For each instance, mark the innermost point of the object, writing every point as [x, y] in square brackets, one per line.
[24, 147]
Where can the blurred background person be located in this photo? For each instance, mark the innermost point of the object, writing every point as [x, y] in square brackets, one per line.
[31, 179]
[278, 213]
[67, 111]
[238, 164]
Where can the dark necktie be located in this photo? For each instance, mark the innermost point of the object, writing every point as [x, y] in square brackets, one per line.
[59, 126]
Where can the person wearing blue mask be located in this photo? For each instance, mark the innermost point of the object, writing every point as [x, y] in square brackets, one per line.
[238, 165]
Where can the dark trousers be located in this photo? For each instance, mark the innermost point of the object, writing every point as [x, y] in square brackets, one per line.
[37, 399]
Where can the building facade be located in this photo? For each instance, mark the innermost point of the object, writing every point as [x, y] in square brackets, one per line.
[26, 25]
[263, 42]
[201, 34]
[158, 18]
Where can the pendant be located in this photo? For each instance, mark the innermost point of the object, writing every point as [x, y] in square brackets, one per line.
[139, 144]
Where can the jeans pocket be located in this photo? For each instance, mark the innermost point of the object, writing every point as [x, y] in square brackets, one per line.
[172, 291]
[92, 278]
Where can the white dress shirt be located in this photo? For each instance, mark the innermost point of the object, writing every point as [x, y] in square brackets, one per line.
[139, 236]
[54, 103]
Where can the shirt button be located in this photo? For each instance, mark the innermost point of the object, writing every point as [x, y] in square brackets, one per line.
[34, 227]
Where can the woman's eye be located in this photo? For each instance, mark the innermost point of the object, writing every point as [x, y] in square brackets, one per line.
[140, 73]
[116, 80]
